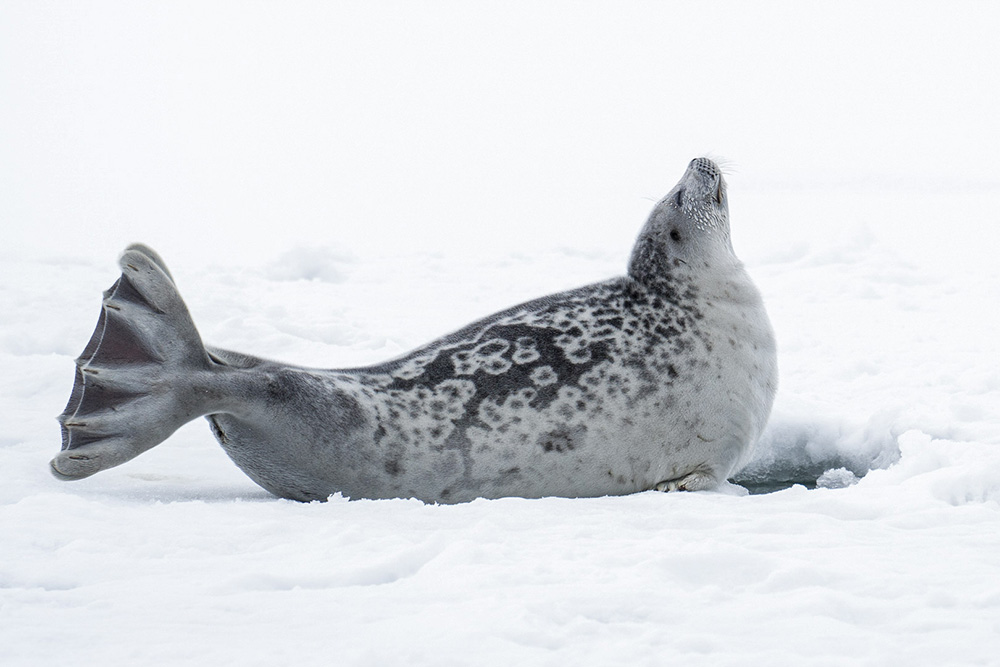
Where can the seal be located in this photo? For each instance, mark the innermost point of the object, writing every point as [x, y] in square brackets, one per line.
[662, 378]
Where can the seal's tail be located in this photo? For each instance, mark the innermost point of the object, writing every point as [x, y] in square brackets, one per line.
[144, 373]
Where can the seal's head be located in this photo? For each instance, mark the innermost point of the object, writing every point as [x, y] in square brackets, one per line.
[689, 228]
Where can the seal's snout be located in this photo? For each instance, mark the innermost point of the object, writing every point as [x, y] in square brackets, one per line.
[706, 178]
[705, 167]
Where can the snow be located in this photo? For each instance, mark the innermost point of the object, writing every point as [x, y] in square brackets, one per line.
[335, 185]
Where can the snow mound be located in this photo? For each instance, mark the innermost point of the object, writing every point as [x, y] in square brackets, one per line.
[310, 263]
[804, 448]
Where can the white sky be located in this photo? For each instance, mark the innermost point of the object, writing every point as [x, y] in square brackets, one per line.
[199, 127]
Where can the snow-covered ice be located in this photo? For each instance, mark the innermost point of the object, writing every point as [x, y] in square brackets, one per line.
[335, 185]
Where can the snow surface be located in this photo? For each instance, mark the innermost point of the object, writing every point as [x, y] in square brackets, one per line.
[335, 185]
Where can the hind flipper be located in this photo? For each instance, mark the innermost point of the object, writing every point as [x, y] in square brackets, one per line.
[141, 376]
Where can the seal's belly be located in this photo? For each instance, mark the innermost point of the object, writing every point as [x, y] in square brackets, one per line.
[607, 437]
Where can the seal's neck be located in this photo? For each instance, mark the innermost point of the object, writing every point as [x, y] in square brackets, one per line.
[656, 271]
[652, 266]
[648, 262]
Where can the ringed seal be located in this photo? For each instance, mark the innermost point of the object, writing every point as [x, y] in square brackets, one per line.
[662, 378]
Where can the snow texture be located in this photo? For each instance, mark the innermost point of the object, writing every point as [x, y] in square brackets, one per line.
[334, 184]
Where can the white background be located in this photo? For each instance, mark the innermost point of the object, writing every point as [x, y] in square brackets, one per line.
[337, 183]
[246, 126]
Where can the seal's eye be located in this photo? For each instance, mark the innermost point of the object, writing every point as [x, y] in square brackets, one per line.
[679, 198]
[675, 236]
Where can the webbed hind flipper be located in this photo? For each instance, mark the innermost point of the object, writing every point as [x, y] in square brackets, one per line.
[142, 375]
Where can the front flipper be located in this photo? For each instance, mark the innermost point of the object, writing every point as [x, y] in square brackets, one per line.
[698, 480]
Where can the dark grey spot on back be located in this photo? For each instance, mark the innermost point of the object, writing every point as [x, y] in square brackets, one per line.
[568, 369]
[563, 439]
